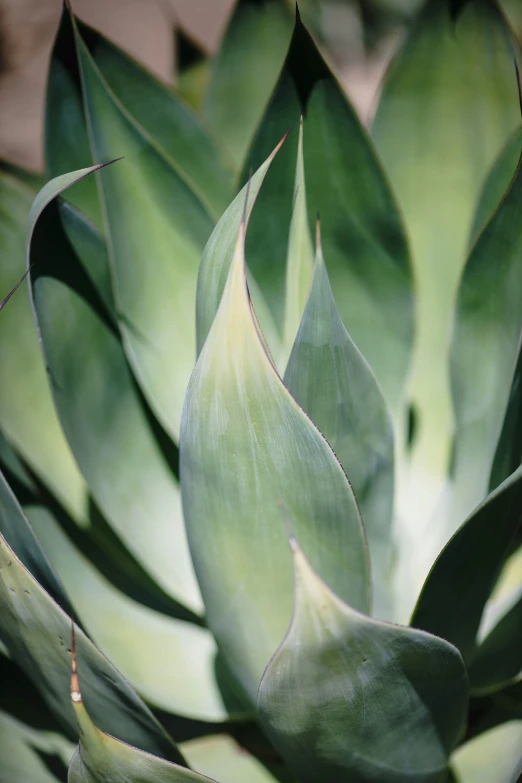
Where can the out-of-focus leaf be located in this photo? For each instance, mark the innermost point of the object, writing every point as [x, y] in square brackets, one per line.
[27, 414]
[333, 383]
[454, 595]
[299, 258]
[24, 752]
[498, 659]
[37, 633]
[99, 408]
[246, 450]
[19, 535]
[100, 757]
[245, 71]
[484, 349]
[517, 774]
[508, 454]
[168, 121]
[363, 239]
[192, 71]
[156, 231]
[497, 183]
[454, 75]
[491, 757]
[11, 462]
[168, 661]
[219, 251]
[33, 179]
[346, 697]
[221, 758]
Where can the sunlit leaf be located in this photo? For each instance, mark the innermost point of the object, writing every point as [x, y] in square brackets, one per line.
[346, 697]
[220, 757]
[491, 757]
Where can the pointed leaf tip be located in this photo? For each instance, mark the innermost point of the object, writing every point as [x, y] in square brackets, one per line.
[76, 695]
[519, 83]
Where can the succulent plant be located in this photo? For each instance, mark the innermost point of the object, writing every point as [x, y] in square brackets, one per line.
[261, 443]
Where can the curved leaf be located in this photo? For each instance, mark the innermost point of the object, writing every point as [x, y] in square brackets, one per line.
[484, 349]
[491, 757]
[363, 239]
[346, 697]
[99, 407]
[169, 662]
[498, 659]
[100, 757]
[459, 584]
[37, 632]
[21, 751]
[247, 448]
[220, 757]
[508, 454]
[245, 70]
[27, 414]
[332, 382]
[453, 76]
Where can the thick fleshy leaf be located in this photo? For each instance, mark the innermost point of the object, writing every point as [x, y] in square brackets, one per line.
[363, 239]
[497, 182]
[100, 757]
[99, 406]
[12, 464]
[453, 75]
[332, 382]
[221, 758]
[491, 757]
[517, 775]
[219, 251]
[346, 697]
[24, 752]
[454, 595]
[247, 449]
[299, 258]
[245, 70]
[485, 345]
[168, 120]
[498, 659]
[169, 662]
[27, 414]
[192, 71]
[21, 538]
[508, 454]
[37, 634]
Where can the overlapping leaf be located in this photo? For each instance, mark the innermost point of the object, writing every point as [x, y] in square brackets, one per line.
[333, 383]
[491, 757]
[346, 697]
[453, 76]
[245, 70]
[23, 751]
[247, 450]
[363, 238]
[498, 659]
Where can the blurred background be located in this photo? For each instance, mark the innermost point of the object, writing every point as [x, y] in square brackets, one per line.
[357, 36]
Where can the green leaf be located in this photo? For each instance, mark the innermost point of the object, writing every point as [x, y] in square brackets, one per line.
[491, 757]
[454, 595]
[220, 757]
[332, 382]
[497, 183]
[18, 533]
[219, 251]
[11, 462]
[346, 697]
[99, 406]
[508, 454]
[171, 663]
[23, 751]
[245, 70]
[27, 414]
[100, 757]
[192, 70]
[299, 258]
[484, 348]
[37, 633]
[168, 121]
[453, 76]
[363, 239]
[156, 230]
[246, 449]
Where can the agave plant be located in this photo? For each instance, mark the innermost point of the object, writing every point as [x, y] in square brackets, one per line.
[262, 487]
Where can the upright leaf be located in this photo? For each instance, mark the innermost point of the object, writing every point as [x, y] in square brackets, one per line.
[245, 70]
[100, 757]
[346, 697]
[333, 383]
[27, 414]
[448, 106]
[508, 454]
[454, 595]
[246, 449]
[156, 230]
[363, 238]
[485, 343]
